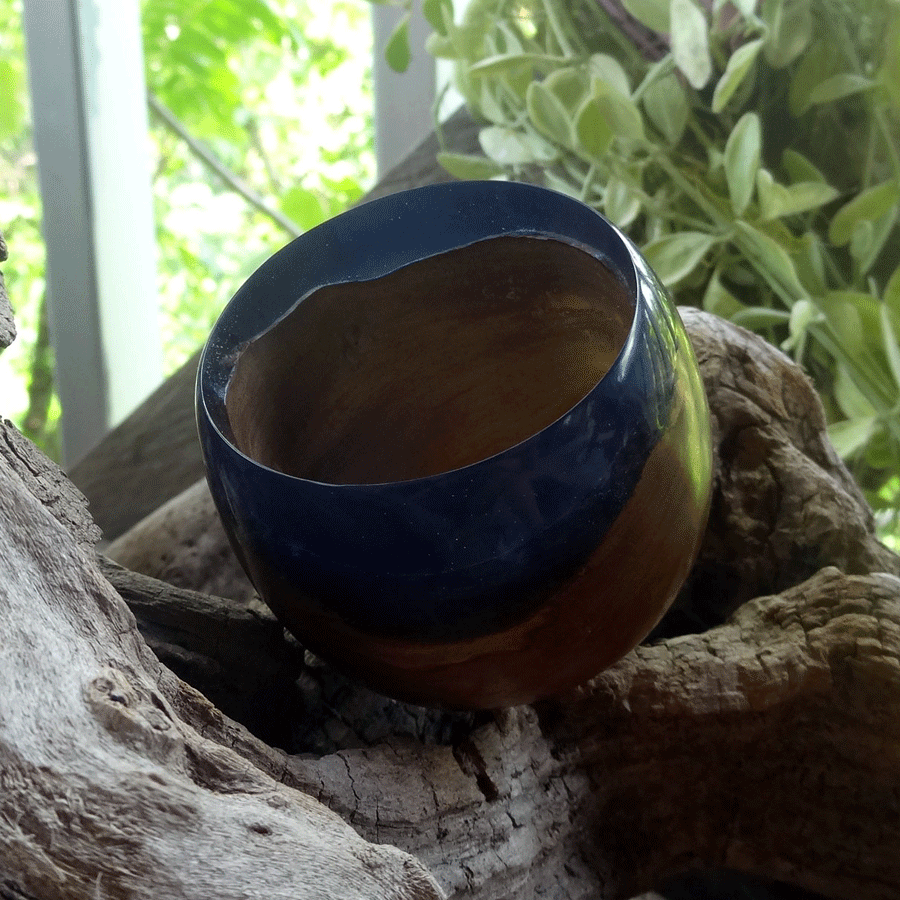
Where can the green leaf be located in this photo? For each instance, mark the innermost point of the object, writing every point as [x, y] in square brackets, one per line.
[889, 73]
[882, 452]
[619, 111]
[441, 47]
[620, 202]
[890, 332]
[609, 71]
[652, 13]
[769, 257]
[507, 39]
[869, 238]
[777, 200]
[810, 262]
[674, 256]
[667, 106]
[802, 315]
[816, 65]
[437, 13]
[799, 168]
[489, 104]
[739, 64]
[303, 207]
[790, 29]
[592, 130]
[468, 166]
[501, 63]
[690, 42]
[742, 153]
[892, 292]
[837, 87]
[757, 318]
[563, 185]
[397, 52]
[515, 148]
[862, 240]
[746, 8]
[718, 300]
[852, 435]
[854, 319]
[570, 86]
[548, 114]
[851, 400]
[870, 204]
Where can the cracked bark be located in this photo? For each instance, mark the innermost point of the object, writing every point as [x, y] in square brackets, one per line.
[108, 787]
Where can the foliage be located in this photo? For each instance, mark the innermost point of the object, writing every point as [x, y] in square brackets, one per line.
[750, 148]
[279, 93]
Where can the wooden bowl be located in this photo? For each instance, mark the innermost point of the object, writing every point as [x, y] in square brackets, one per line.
[458, 439]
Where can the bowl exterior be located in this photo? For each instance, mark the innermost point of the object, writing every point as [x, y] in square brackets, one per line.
[506, 580]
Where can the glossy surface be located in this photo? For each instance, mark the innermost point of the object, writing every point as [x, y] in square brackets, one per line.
[459, 442]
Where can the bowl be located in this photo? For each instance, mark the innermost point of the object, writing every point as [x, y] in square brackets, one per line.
[459, 442]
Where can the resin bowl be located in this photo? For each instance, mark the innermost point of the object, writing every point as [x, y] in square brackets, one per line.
[458, 439]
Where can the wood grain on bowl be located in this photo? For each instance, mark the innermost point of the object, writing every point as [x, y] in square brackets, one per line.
[437, 365]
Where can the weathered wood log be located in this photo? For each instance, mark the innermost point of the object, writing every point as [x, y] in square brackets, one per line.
[768, 744]
[7, 325]
[105, 789]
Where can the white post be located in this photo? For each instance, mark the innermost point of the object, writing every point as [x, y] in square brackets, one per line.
[403, 101]
[90, 123]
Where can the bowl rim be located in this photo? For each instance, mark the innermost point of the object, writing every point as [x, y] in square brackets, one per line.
[211, 398]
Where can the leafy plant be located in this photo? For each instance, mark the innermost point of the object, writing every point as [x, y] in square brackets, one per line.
[261, 122]
[749, 147]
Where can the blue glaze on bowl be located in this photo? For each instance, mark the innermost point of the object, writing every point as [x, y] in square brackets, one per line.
[455, 555]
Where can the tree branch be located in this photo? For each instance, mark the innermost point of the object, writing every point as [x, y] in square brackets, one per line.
[218, 168]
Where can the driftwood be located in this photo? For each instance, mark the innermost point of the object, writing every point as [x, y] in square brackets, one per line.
[757, 732]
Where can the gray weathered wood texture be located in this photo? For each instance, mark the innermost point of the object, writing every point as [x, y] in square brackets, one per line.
[7, 325]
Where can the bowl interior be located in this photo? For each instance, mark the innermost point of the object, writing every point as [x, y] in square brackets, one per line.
[432, 367]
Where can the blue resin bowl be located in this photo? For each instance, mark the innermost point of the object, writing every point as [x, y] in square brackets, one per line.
[458, 439]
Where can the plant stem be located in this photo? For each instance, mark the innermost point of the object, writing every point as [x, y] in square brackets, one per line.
[690, 190]
[558, 31]
[658, 70]
[588, 182]
[886, 135]
[217, 167]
